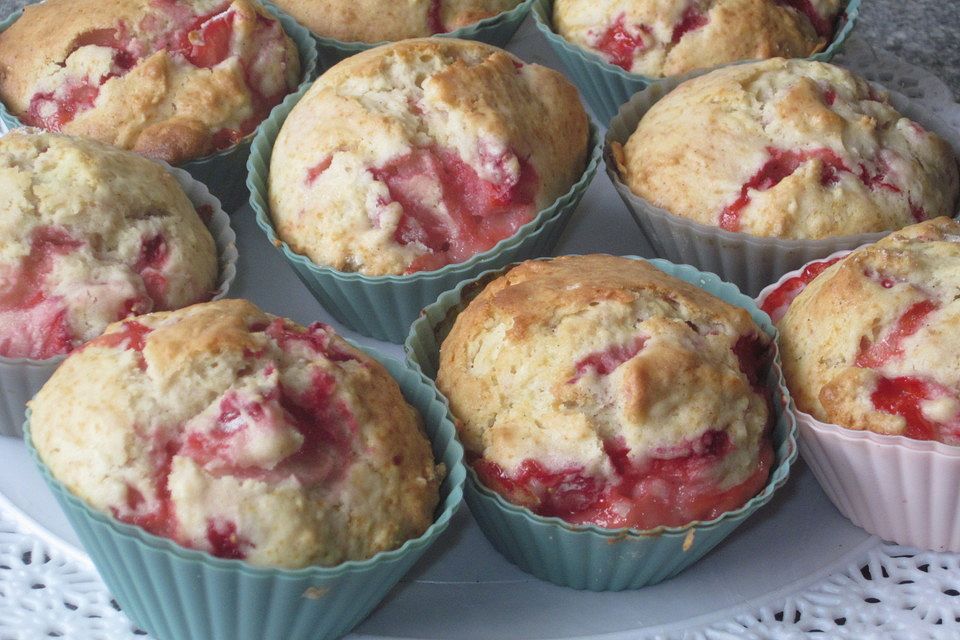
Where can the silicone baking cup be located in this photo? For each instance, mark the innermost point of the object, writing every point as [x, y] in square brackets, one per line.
[750, 262]
[174, 592]
[606, 86]
[903, 490]
[21, 378]
[586, 556]
[496, 30]
[223, 172]
[384, 306]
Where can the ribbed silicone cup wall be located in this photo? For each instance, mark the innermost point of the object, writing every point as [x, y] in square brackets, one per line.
[384, 306]
[496, 30]
[590, 557]
[173, 592]
[606, 86]
[223, 172]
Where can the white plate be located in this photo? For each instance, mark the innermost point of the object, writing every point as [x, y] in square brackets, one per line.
[793, 567]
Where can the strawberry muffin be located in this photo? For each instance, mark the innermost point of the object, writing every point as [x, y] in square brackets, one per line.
[423, 153]
[377, 21]
[171, 79]
[866, 345]
[788, 149]
[90, 234]
[600, 390]
[241, 434]
[670, 37]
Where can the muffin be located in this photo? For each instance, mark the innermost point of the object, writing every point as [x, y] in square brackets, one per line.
[602, 391]
[171, 79]
[422, 153]
[794, 150]
[866, 344]
[659, 39]
[376, 21]
[90, 234]
[241, 434]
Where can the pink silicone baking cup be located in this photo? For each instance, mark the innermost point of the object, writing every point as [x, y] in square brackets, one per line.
[903, 490]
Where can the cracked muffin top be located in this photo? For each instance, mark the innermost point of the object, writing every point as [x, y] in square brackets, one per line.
[422, 153]
[788, 149]
[671, 37]
[241, 434]
[90, 234]
[867, 343]
[171, 79]
[600, 390]
[377, 21]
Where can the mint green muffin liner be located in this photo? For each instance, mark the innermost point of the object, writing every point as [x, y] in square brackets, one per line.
[383, 307]
[173, 592]
[586, 556]
[606, 86]
[223, 172]
[496, 30]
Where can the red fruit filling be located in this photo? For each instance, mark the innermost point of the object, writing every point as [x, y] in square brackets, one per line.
[903, 396]
[917, 211]
[879, 178]
[806, 8]
[619, 45]
[132, 336]
[780, 165]
[606, 361]
[874, 355]
[318, 337]
[691, 20]
[775, 304]
[205, 42]
[32, 323]
[829, 96]
[449, 209]
[153, 256]
[671, 489]
[435, 17]
[224, 541]
[162, 519]
[315, 171]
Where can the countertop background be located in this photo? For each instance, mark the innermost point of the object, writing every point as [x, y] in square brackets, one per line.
[923, 32]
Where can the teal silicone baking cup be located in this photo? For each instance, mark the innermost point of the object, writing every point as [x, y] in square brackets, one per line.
[174, 592]
[586, 556]
[223, 172]
[496, 30]
[606, 86]
[384, 306]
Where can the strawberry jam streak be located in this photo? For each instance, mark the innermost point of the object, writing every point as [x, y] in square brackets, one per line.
[34, 324]
[327, 426]
[670, 489]
[606, 361]
[619, 46]
[806, 8]
[775, 305]
[877, 354]
[153, 256]
[449, 209]
[224, 541]
[435, 17]
[903, 396]
[692, 20]
[780, 165]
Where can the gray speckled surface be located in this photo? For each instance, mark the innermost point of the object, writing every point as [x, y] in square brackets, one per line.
[923, 33]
